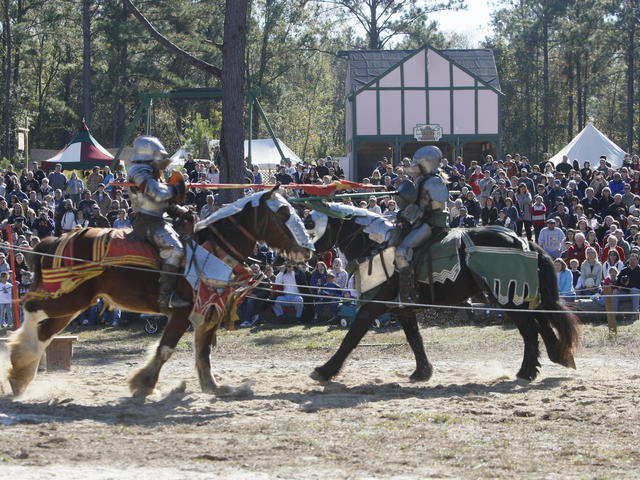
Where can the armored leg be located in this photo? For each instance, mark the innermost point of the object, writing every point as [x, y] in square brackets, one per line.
[166, 240]
[404, 255]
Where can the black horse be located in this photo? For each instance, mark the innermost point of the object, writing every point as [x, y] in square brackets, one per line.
[559, 329]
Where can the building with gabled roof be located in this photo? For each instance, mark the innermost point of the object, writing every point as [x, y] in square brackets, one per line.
[400, 100]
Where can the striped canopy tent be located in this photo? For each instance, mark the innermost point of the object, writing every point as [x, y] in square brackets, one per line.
[83, 151]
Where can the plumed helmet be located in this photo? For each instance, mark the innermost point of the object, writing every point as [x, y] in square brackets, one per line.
[149, 149]
[425, 160]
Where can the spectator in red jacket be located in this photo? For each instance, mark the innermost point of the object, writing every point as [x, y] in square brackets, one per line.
[538, 215]
[577, 250]
[612, 244]
[474, 180]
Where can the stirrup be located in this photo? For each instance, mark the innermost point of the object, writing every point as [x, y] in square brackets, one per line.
[176, 301]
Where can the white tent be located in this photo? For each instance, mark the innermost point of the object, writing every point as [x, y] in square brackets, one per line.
[263, 153]
[589, 145]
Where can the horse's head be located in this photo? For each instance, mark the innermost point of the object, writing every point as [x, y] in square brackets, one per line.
[280, 227]
[321, 230]
[265, 217]
[339, 225]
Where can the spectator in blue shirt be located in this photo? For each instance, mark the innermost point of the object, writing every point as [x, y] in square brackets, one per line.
[565, 280]
[617, 184]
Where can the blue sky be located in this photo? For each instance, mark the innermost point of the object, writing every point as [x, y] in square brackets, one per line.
[474, 22]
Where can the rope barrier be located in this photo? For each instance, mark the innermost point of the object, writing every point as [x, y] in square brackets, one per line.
[329, 297]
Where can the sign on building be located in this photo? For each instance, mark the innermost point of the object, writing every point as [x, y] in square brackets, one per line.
[427, 133]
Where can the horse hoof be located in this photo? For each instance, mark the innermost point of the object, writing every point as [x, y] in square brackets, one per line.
[527, 377]
[17, 388]
[318, 376]
[421, 375]
[570, 362]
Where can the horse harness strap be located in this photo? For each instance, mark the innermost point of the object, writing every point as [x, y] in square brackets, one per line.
[229, 251]
[243, 230]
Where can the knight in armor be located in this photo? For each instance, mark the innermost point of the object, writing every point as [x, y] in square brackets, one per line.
[150, 200]
[423, 207]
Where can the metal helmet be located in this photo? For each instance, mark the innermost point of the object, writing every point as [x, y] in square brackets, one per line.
[149, 149]
[425, 160]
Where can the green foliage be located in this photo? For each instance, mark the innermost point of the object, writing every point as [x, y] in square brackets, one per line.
[294, 69]
[202, 129]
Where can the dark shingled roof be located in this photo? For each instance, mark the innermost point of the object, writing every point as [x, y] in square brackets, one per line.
[367, 65]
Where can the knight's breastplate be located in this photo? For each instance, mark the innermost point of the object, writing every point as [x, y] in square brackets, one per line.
[139, 201]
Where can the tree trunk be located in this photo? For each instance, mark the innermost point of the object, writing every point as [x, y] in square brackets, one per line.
[86, 61]
[579, 93]
[6, 111]
[123, 60]
[570, 107]
[233, 72]
[16, 48]
[374, 34]
[630, 72]
[264, 45]
[545, 83]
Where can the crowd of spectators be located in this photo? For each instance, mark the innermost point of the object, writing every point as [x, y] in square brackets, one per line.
[587, 218]
[36, 205]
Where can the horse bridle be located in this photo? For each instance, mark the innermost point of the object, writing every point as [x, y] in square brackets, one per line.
[350, 238]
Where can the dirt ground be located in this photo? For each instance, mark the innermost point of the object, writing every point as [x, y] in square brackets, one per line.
[472, 420]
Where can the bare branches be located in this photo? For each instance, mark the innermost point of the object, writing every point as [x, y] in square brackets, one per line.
[172, 47]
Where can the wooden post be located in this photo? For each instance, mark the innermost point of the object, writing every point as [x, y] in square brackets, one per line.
[611, 313]
[14, 282]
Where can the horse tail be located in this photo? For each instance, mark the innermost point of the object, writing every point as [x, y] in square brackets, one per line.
[565, 322]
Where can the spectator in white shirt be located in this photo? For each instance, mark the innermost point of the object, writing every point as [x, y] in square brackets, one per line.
[6, 298]
[291, 293]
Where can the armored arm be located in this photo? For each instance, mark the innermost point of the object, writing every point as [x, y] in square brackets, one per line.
[142, 176]
[436, 190]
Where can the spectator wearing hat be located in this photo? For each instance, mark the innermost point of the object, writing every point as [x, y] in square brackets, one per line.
[102, 199]
[503, 220]
[551, 238]
[463, 219]
[57, 180]
[94, 179]
[97, 219]
[373, 206]
[43, 225]
[528, 182]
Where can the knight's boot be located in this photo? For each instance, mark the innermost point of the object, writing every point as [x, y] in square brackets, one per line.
[168, 298]
[407, 289]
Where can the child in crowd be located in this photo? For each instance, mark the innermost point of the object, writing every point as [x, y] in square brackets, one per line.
[6, 298]
[574, 265]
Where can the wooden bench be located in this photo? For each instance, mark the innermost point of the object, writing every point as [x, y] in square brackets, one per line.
[58, 354]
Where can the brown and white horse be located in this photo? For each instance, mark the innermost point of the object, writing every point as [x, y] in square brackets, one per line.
[264, 216]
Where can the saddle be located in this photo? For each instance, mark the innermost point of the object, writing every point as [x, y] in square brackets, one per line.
[72, 266]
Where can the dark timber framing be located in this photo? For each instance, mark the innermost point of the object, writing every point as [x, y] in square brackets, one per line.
[397, 142]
